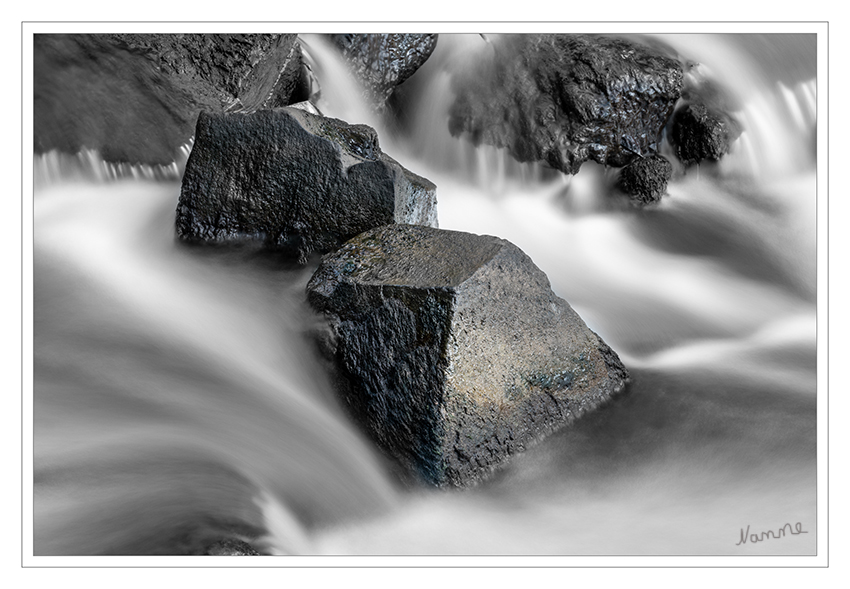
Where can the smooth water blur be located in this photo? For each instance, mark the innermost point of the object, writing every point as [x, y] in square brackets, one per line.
[176, 398]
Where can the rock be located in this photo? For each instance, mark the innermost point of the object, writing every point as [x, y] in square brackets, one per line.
[700, 133]
[453, 351]
[382, 62]
[567, 99]
[645, 179]
[135, 97]
[294, 182]
[230, 547]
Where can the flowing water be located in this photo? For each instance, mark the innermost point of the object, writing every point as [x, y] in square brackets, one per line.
[176, 399]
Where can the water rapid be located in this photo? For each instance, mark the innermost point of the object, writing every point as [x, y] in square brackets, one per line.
[176, 399]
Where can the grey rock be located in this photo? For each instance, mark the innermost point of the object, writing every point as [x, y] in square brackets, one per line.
[295, 182]
[567, 99]
[453, 350]
[135, 97]
[645, 179]
[701, 133]
[383, 61]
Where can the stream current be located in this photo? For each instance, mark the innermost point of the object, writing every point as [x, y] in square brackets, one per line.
[176, 398]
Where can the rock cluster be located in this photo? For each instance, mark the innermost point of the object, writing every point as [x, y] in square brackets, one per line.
[451, 349]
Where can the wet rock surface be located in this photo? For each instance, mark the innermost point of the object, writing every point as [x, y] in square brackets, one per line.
[230, 547]
[567, 99]
[294, 182]
[701, 133]
[645, 179]
[453, 351]
[383, 61]
[135, 97]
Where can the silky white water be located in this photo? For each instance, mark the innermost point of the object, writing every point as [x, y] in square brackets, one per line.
[177, 397]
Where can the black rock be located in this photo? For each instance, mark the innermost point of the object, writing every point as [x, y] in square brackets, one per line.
[566, 99]
[699, 133]
[295, 182]
[645, 179]
[135, 97]
[383, 61]
[230, 547]
[454, 352]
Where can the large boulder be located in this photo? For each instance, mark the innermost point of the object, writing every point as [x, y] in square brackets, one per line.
[567, 99]
[452, 350]
[295, 182]
[135, 98]
[383, 61]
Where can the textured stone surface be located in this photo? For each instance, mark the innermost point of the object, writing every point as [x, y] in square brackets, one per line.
[700, 133]
[567, 99]
[383, 61]
[295, 182]
[135, 97]
[230, 547]
[645, 179]
[455, 352]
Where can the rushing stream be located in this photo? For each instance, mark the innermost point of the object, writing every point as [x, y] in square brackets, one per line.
[176, 398]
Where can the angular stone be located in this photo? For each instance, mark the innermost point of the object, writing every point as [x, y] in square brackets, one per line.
[645, 179]
[383, 61]
[567, 99]
[453, 349]
[295, 182]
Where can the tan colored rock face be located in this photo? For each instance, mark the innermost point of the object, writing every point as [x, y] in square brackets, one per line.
[456, 350]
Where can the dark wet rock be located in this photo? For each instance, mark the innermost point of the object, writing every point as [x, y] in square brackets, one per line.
[230, 547]
[452, 349]
[700, 133]
[383, 61]
[135, 97]
[567, 99]
[295, 182]
[645, 179]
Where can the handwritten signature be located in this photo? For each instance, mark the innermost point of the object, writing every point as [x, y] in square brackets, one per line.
[770, 534]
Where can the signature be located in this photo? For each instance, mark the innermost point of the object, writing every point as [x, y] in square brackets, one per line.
[770, 534]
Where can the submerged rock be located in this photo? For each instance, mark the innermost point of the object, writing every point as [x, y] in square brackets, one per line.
[295, 182]
[135, 97]
[645, 179]
[383, 61]
[230, 547]
[699, 133]
[453, 349]
[567, 99]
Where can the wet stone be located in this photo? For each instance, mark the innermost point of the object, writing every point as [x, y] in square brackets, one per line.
[453, 351]
[566, 99]
[383, 61]
[701, 133]
[645, 179]
[294, 182]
